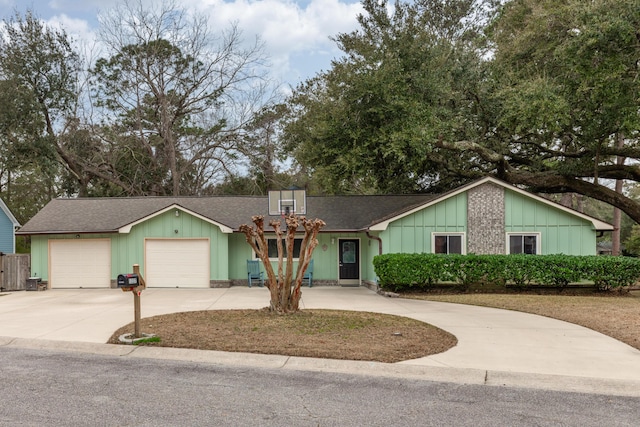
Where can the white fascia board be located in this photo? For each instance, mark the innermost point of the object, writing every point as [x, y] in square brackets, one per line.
[381, 226]
[7, 212]
[127, 228]
[597, 224]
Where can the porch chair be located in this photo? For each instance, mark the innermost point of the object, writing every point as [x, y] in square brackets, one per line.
[308, 275]
[254, 273]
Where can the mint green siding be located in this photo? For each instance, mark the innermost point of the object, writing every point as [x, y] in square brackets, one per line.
[128, 248]
[325, 256]
[560, 231]
[239, 253]
[412, 233]
[40, 256]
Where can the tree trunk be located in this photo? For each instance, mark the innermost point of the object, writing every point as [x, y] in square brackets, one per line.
[567, 200]
[616, 247]
[285, 287]
[554, 183]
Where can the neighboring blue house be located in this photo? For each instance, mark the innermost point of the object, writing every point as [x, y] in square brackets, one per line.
[8, 226]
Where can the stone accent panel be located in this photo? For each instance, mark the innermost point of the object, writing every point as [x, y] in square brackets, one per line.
[485, 220]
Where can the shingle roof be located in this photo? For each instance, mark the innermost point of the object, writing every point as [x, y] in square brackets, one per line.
[108, 215]
[341, 213]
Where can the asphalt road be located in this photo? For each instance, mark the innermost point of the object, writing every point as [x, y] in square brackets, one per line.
[39, 388]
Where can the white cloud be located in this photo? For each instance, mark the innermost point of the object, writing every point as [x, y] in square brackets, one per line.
[296, 33]
[288, 29]
[73, 26]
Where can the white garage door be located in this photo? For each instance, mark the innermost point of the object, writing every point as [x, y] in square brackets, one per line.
[80, 263]
[171, 263]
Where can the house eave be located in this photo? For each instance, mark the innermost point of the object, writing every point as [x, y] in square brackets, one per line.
[597, 224]
[9, 215]
[126, 229]
[49, 232]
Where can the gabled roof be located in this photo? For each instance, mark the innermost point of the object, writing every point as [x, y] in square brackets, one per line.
[118, 215]
[597, 224]
[9, 215]
[341, 213]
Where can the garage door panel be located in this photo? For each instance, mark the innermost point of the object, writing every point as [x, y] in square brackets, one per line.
[177, 263]
[82, 263]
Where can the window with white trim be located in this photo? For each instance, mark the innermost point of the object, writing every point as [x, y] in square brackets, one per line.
[448, 243]
[272, 246]
[523, 243]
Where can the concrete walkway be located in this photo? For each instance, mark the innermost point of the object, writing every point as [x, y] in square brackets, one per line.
[495, 347]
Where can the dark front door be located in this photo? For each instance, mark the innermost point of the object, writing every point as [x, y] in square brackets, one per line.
[349, 262]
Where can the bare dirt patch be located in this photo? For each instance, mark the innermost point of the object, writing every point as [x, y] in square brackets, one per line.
[331, 334]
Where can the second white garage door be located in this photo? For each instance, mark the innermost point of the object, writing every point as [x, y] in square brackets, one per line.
[182, 263]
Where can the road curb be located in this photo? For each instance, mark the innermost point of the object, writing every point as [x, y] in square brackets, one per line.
[467, 376]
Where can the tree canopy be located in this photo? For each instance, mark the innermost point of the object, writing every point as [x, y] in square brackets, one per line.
[175, 95]
[365, 126]
[427, 95]
[169, 107]
[538, 93]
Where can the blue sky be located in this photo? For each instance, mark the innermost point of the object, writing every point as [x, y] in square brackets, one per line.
[296, 33]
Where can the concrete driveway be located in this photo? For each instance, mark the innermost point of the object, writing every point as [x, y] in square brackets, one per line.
[510, 345]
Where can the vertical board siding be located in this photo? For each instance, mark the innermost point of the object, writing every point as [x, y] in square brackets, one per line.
[412, 234]
[128, 249]
[7, 237]
[560, 231]
[170, 226]
[325, 256]
[15, 271]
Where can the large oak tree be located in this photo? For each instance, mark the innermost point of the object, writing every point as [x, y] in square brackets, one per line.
[367, 125]
[565, 91]
[541, 98]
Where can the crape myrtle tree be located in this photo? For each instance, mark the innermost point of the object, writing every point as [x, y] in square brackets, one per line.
[175, 96]
[284, 287]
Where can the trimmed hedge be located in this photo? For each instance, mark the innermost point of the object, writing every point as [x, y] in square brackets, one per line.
[405, 271]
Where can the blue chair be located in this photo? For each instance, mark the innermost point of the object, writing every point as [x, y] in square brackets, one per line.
[308, 275]
[254, 273]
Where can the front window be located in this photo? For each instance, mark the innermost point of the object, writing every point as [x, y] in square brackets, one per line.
[524, 244]
[448, 243]
[272, 245]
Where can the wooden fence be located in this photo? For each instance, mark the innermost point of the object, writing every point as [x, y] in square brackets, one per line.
[14, 271]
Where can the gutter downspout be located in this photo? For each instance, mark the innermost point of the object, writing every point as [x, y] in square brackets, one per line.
[375, 238]
[379, 253]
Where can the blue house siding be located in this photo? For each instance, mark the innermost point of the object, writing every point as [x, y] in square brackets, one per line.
[8, 225]
[7, 241]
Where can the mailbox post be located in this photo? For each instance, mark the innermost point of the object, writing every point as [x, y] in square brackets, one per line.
[133, 283]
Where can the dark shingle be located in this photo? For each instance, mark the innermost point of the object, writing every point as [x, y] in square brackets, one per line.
[106, 215]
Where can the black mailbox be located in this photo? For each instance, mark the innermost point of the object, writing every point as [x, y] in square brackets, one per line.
[128, 280]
